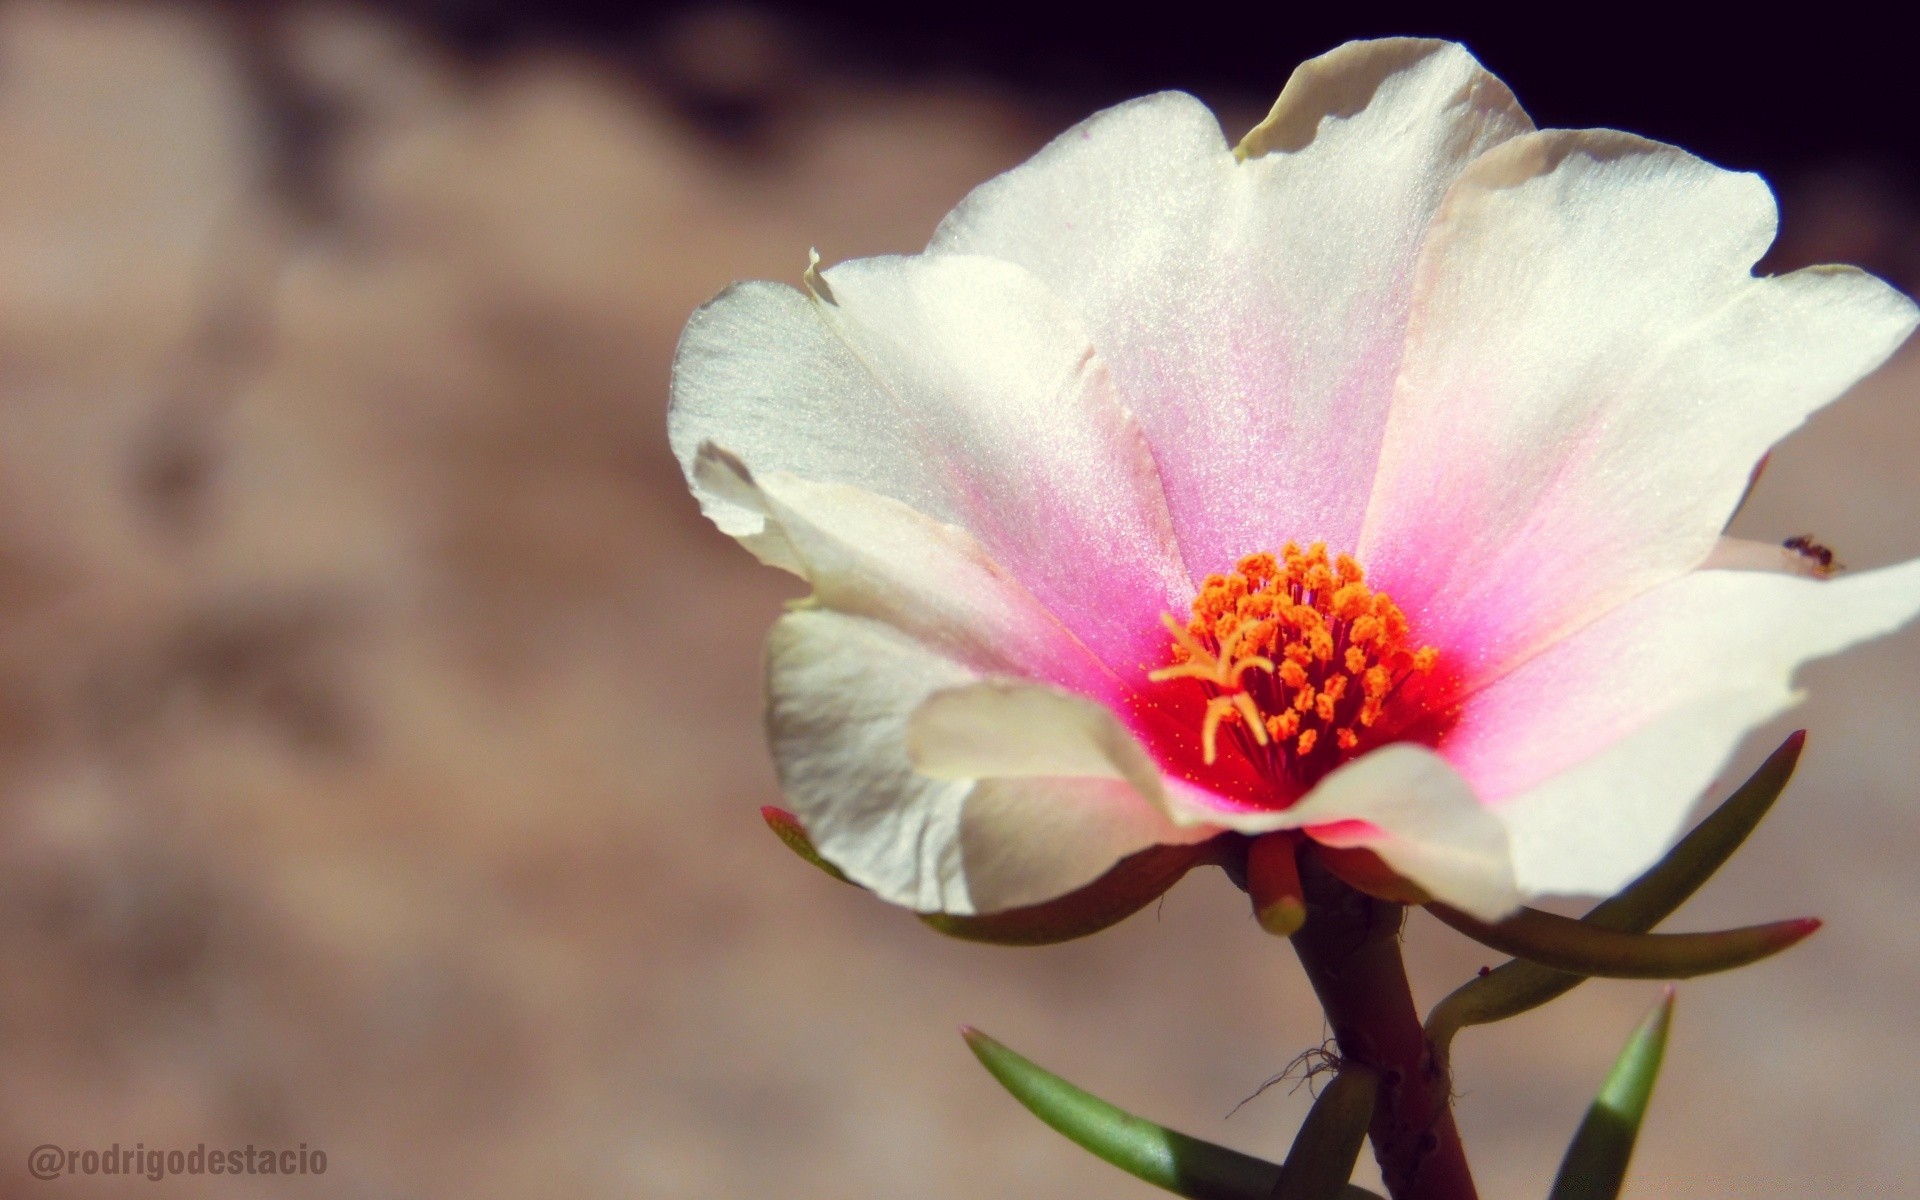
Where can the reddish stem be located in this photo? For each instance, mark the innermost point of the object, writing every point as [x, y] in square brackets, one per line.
[1350, 947]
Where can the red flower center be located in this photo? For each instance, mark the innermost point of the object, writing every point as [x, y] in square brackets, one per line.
[1298, 661]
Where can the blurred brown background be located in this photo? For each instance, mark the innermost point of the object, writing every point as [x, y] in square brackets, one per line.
[379, 746]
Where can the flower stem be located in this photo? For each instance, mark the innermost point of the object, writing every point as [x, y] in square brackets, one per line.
[1350, 947]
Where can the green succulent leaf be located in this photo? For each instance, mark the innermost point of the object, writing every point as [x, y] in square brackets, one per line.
[1565, 944]
[1185, 1166]
[1329, 1141]
[1520, 986]
[1693, 860]
[793, 835]
[1596, 1162]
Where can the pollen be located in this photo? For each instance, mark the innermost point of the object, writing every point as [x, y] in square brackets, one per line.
[1298, 657]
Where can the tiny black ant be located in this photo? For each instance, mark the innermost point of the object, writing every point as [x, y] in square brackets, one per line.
[1818, 557]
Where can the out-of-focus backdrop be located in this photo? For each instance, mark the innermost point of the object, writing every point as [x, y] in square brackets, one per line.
[379, 721]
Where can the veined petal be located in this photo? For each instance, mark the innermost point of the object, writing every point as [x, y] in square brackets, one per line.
[1593, 751]
[841, 691]
[1591, 373]
[962, 388]
[1252, 312]
[870, 556]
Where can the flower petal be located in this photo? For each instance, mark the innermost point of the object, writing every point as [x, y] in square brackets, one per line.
[1403, 802]
[1024, 841]
[1003, 727]
[1052, 767]
[1407, 805]
[1252, 311]
[870, 556]
[841, 692]
[1591, 373]
[1411, 808]
[1012, 729]
[1593, 752]
[962, 388]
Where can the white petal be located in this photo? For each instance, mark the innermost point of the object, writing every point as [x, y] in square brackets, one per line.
[869, 556]
[1424, 821]
[1410, 807]
[1591, 373]
[1012, 729]
[1252, 312]
[1064, 791]
[1403, 802]
[1594, 751]
[838, 693]
[1024, 841]
[1004, 727]
[962, 388]
[841, 692]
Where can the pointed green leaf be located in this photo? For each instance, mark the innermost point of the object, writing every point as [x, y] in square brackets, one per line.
[1667, 885]
[1565, 944]
[1129, 886]
[1596, 1162]
[793, 835]
[1182, 1165]
[1329, 1141]
[1520, 986]
[1185, 1166]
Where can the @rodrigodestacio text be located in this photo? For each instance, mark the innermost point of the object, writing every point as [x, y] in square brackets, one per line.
[50, 1161]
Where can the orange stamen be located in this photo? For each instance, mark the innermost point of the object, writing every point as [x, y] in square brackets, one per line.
[1298, 656]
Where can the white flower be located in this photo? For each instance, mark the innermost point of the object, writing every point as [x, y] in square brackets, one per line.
[1520, 376]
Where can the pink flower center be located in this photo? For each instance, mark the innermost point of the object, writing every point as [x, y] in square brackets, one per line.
[1298, 660]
